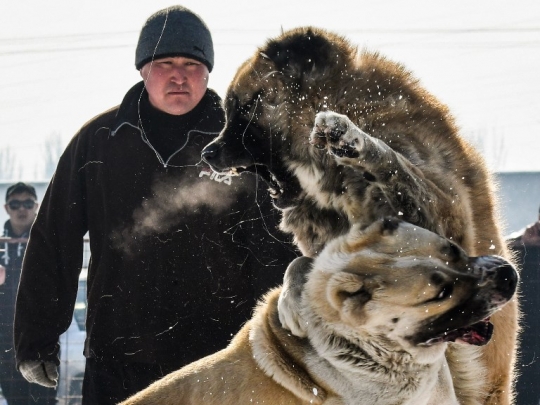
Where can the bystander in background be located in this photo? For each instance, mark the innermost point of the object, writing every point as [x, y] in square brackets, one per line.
[21, 206]
[526, 246]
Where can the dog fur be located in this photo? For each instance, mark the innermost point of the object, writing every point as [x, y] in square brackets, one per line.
[345, 137]
[379, 306]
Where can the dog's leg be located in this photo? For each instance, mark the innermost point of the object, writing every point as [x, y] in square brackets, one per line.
[291, 295]
[399, 188]
[500, 355]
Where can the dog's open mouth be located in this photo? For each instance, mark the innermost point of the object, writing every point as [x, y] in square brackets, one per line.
[477, 334]
[282, 185]
[275, 187]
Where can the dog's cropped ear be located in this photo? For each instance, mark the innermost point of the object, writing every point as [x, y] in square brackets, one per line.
[296, 274]
[347, 293]
[289, 302]
[301, 52]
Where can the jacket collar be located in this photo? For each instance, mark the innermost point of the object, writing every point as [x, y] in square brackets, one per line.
[8, 231]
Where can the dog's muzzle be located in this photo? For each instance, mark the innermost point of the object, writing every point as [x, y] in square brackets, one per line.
[495, 270]
[210, 155]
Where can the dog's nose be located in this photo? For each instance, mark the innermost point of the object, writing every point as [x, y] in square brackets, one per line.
[209, 152]
[495, 270]
[506, 278]
[503, 278]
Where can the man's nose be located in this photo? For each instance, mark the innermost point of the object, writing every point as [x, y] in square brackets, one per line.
[179, 74]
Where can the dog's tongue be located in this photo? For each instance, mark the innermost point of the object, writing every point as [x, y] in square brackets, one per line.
[478, 335]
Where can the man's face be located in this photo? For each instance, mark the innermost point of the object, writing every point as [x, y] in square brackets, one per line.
[175, 85]
[22, 209]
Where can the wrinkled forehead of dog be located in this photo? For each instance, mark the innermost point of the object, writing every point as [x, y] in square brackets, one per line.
[392, 242]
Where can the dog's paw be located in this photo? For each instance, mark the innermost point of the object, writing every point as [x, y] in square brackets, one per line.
[338, 134]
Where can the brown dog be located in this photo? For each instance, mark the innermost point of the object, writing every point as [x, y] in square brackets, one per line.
[380, 145]
[378, 308]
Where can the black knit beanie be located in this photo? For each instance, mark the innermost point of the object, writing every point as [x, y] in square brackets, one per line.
[175, 31]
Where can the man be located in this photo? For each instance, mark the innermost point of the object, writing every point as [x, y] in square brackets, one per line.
[21, 207]
[529, 236]
[525, 243]
[179, 255]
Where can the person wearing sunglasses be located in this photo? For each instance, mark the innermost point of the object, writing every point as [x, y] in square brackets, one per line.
[21, 206]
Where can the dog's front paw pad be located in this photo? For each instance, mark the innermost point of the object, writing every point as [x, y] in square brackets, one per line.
[335, 130]
[336, 133]
[329, 127]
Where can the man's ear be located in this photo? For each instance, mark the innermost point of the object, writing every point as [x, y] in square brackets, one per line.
[143, 71]
[6, 208]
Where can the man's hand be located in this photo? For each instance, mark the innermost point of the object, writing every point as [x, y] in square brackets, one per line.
[40, 372]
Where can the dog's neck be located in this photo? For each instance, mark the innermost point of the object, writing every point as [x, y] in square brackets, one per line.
[388, 360]
[372, 374]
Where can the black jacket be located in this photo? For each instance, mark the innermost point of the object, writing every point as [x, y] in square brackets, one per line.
[179, 255]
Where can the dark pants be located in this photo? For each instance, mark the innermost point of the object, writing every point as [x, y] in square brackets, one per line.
[109, 382]
[15, 389]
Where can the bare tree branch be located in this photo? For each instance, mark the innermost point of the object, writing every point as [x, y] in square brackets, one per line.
[52, 150]
[9, 169]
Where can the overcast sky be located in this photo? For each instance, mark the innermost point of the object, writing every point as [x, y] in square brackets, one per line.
[63, 61]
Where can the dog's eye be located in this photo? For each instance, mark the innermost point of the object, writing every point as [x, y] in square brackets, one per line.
[446, 292]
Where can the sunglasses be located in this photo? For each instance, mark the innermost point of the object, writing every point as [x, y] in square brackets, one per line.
[16, 204]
